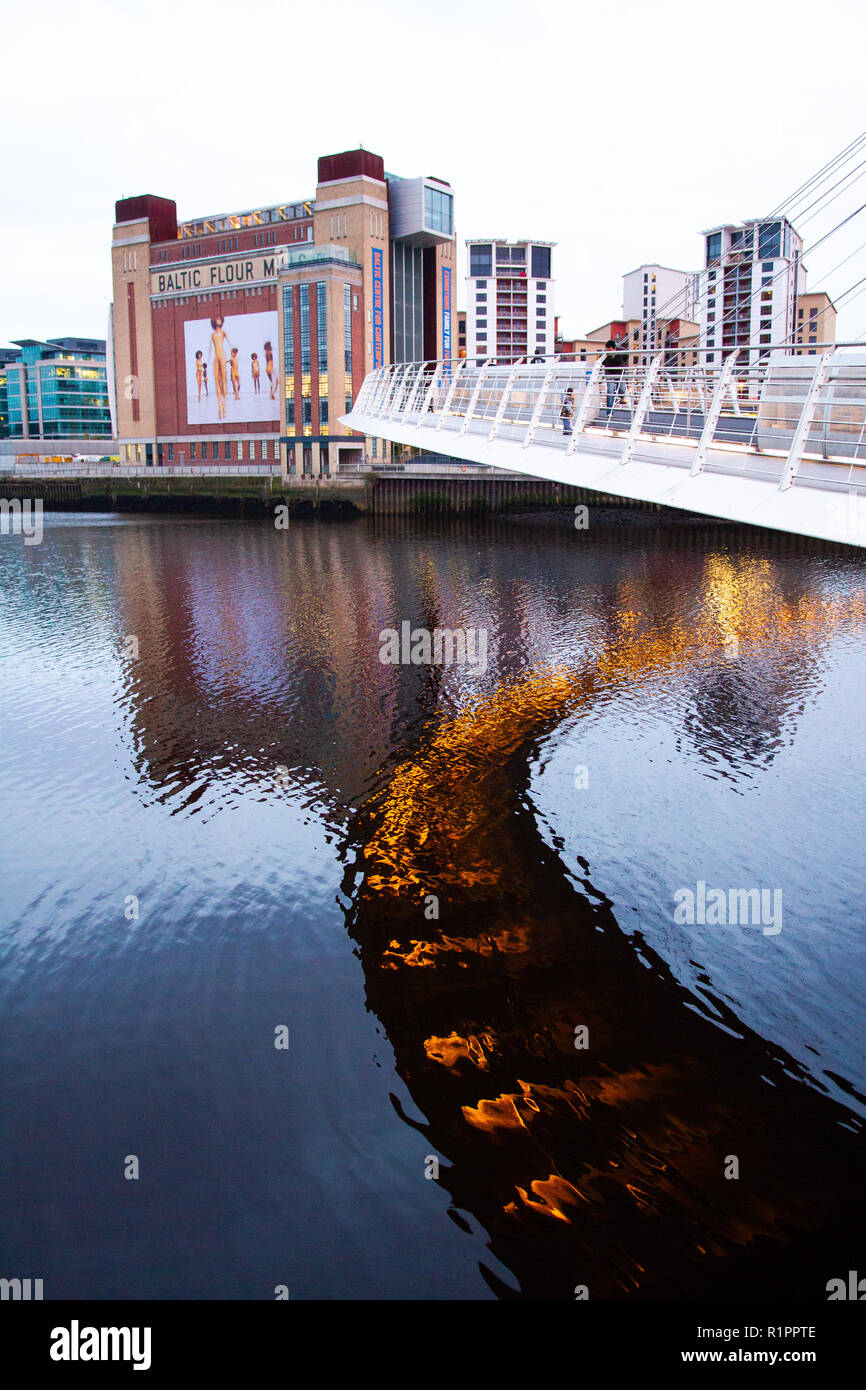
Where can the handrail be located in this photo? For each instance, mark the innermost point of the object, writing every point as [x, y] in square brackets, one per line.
[787, 403]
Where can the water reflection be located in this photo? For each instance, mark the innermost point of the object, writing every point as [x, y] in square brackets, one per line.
[601, 1167]
[258, 680]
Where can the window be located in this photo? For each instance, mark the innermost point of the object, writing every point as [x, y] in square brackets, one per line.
[170, 453]
[305, 328]
[714, 247]
[227, 449]
[438, 210]
[481, 323]
[252, 448]
[480, 260]
[192, 450]
[541, 262]
[541, 299]
[322, 332]
[240, 449]
[347, 338]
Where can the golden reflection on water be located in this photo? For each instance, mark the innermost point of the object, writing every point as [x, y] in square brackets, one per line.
[443, 826]
[433, 828]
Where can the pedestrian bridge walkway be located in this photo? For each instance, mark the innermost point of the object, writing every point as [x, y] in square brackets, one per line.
[772, 438]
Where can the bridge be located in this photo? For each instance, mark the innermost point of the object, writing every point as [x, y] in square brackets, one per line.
[770, 437]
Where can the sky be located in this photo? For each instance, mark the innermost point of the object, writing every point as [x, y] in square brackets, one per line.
[619, 131]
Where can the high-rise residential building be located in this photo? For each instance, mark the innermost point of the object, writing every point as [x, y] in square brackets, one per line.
[55, 389]
[509, 312]
[653, 293]
[749, 287]
[246, 335]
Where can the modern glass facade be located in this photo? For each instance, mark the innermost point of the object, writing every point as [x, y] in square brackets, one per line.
[438, 211]
[407, 302]
[56, 390]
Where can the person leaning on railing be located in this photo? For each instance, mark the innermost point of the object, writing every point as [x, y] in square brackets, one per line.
[615, 368]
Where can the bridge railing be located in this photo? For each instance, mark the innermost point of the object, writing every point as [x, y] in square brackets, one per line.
[777, 413]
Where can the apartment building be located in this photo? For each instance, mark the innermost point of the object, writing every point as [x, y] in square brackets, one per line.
[509, 311]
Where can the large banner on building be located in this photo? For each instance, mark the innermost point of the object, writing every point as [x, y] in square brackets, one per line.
[232, 369]
[378, 310]
[446, 313]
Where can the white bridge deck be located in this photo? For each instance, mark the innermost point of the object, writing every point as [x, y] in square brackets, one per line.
[776, 441]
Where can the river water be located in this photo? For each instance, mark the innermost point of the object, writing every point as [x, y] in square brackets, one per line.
[287, 929]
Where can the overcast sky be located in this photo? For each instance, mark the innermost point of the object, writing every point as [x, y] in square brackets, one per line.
[618, 130]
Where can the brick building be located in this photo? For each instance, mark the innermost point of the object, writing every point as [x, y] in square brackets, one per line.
[245, 336]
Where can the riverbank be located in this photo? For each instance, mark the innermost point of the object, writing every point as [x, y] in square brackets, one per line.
[258, 496]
